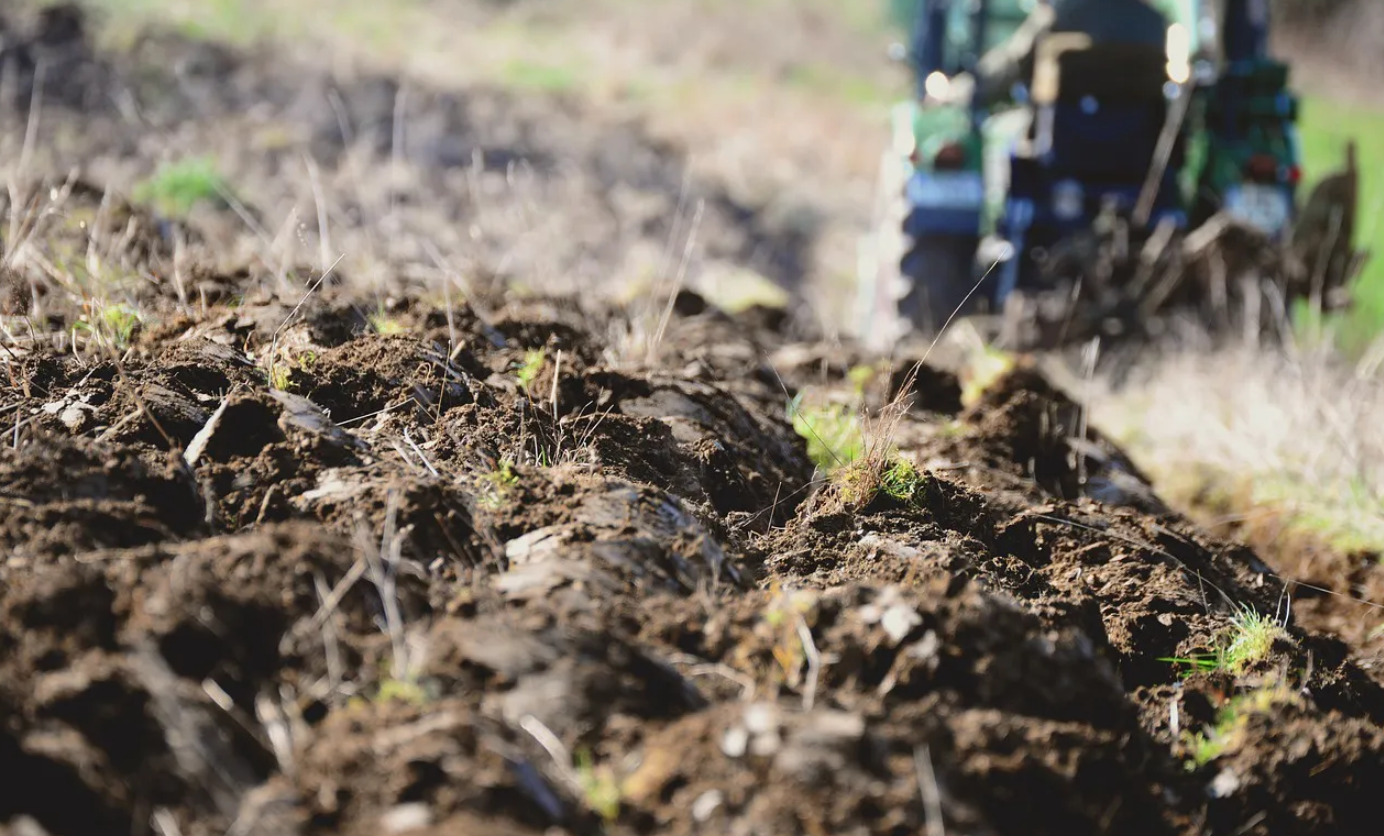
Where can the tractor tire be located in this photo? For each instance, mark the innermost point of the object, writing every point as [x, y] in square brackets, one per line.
[881, 282]
[941, 275]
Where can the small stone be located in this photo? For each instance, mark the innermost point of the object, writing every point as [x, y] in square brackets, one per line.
[1224, 784]
[898, 621]
[761, 718]
[406, 817]
[735, 742]
[926, 649]
[74, 418]
[764, 745]
[706, 804]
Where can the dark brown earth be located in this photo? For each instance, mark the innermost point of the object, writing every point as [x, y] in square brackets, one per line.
[269, 570]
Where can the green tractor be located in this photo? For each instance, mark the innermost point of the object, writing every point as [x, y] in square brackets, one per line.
[936, 195]
[974, 194]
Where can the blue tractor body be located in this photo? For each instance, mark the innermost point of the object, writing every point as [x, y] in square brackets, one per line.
[1186, 119]
[1093, 147]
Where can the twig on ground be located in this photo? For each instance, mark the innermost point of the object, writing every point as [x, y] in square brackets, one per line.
[928, 789]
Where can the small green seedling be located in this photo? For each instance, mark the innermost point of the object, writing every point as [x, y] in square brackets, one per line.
[384, 324]
[281, 377]
[176, 188]
[532, 365]
[600, 786]
[120, 322]
[114, 324]
[861, 376]
[498, 484]
[401, 690]
[1232, 723]
[834, 433]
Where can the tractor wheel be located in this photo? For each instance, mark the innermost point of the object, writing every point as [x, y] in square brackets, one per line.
[941, 275]
[881, 282]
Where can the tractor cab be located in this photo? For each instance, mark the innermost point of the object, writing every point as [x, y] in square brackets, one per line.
[1098, 140]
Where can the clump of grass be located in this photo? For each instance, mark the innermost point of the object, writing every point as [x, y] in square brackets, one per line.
[529, 369]
[1252, 639]
[902, 481]
[383, 323]
[176, 188]
[1248, 642]
[834, 433]
[1288, 443]
[112, 324]
[282, 370]
[891, 475]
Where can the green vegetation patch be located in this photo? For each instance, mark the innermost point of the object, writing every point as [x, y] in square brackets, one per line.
[834, 433]
[528, 371]
[1232, 723]
[1249, 642]
[114, 324]
[176, 188]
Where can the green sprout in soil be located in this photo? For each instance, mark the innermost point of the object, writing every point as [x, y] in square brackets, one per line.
[1232, 723]
[1250, 640]
[902, 481]
[867, 478]
[384, 324]
[788, 613]
[401, 690]
[176, 188]
[281, 377]
[600, 787]
[985, 368]
[834, 434]
[114, 324]
[533, 364]
[498, 484]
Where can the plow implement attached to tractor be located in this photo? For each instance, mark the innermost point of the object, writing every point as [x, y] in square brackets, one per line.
[1057, 181]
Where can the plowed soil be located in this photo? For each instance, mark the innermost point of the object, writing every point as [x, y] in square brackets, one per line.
[293, 556]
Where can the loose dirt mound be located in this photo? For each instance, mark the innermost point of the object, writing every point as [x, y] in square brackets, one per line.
[423, 581]
[285, 556]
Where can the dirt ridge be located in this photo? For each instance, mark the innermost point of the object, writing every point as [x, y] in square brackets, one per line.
[290, 553]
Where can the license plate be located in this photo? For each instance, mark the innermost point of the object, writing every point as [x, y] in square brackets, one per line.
[947, 190]
[1266, 208]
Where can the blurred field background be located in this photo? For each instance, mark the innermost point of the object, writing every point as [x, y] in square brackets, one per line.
[783, 103]
[783, 100]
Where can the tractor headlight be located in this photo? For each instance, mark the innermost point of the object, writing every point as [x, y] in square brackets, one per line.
[937, 86]
[1068, 200]
[1179, 50]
